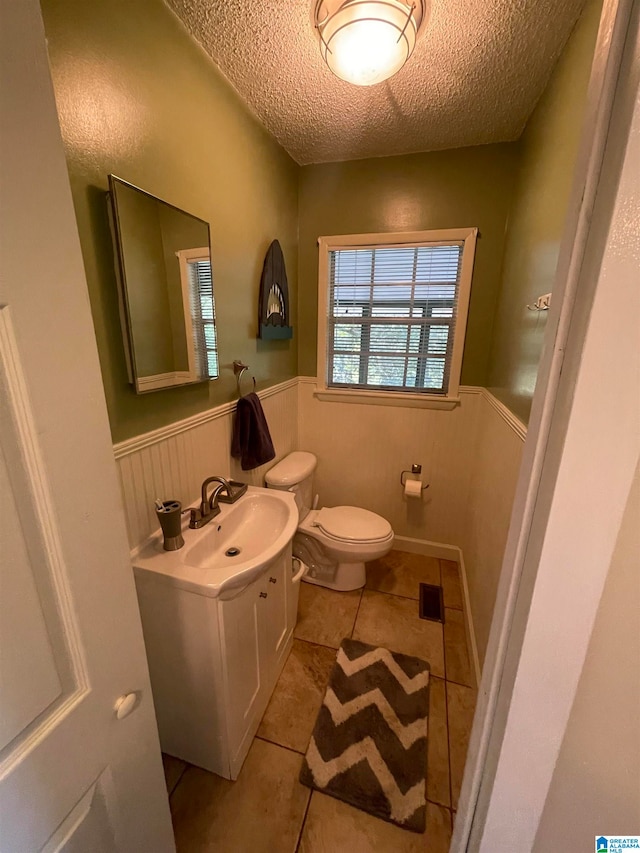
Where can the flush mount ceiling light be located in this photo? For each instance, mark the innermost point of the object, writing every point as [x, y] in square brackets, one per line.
[367, 41]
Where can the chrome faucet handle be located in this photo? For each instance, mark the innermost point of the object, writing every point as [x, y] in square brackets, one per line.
[198, 519]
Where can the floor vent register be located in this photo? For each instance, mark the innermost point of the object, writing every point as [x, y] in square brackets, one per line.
[431, 604]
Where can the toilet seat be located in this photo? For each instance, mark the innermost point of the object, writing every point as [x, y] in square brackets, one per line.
[352, 524]
[336, 529]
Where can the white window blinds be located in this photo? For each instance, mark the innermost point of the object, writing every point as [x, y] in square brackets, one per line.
[203, 317]
[392, 315]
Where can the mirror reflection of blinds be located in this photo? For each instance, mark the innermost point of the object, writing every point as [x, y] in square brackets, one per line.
[392, 314]
[203, 317]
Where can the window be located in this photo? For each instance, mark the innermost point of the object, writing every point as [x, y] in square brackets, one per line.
[196, 277]
[203, 315]
[392, 313]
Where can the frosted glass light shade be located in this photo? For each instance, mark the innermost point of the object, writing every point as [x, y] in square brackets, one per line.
[367, 42]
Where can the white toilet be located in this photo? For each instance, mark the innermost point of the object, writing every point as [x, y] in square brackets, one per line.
[334, 542]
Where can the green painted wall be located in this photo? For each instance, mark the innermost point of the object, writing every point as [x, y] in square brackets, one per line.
[549, 147]
[138, 98]
[444, 189]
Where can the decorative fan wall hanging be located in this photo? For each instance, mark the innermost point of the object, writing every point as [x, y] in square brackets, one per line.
[273, 308]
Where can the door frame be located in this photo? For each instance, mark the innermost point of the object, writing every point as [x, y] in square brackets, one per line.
[543, 514]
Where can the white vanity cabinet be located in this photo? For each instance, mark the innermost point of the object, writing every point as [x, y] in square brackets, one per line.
[214, 661]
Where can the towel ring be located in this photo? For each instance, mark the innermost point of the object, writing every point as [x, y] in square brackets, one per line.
[239, 368]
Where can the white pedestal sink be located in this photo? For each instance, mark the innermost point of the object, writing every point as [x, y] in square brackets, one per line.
[218, 618]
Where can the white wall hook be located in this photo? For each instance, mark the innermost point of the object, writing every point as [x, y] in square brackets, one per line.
[542, 303]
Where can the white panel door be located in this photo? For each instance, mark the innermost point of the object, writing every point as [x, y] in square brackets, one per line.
[74, 776]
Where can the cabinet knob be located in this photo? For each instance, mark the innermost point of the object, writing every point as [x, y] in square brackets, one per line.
[273, 580]
[263, 595]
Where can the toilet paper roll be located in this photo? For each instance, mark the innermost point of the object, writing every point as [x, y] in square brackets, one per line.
[413, 488]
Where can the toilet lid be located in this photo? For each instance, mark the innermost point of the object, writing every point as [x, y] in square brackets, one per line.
[352, 524]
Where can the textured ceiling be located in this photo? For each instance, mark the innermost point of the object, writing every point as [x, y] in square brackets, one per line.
[476, 73]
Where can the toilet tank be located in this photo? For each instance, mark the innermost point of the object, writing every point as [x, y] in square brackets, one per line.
[294, 474]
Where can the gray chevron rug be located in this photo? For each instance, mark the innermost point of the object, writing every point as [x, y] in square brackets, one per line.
[369, 744]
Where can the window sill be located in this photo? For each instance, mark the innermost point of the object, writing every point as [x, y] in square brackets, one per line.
[388, 398]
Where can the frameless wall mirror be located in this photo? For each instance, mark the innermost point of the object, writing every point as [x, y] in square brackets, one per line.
[163, 258]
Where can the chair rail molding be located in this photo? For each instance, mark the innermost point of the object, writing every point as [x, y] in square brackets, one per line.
[139, 442]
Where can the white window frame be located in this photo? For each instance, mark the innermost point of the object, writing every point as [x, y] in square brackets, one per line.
[185, 257]
[398, 239]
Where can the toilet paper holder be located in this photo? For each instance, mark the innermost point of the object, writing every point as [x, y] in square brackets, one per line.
[415, 469]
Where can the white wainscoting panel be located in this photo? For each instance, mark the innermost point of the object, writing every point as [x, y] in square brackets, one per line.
[485, 522]
[172, 462]
[470, 457]
[363, 449]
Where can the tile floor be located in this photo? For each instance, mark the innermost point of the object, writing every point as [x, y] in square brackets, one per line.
[267, 810]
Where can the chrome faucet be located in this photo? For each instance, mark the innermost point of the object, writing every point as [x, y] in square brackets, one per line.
[224, 486]
[209, 507]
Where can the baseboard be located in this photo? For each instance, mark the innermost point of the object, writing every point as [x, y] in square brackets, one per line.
[471, 634]
[428, 549]
[447, 552]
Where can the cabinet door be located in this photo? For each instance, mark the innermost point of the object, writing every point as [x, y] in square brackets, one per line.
[275, 615]
[244, 660]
